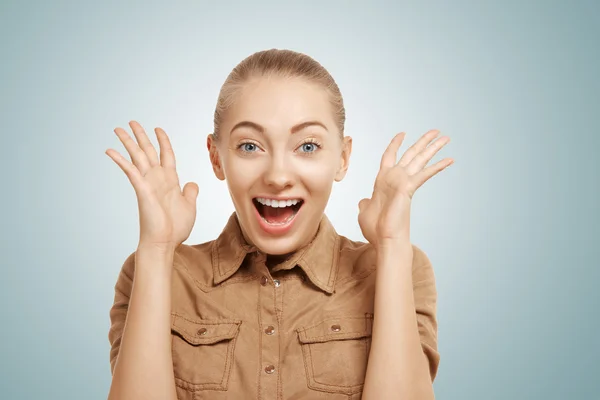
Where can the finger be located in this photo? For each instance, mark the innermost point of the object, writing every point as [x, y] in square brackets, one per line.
[130, 170]
[426, 174]
[190, 192]
[362, 204]
[418, 147]
[138, 157]
[167, 156]
[420, 160]
[144, 142]
[388, 160]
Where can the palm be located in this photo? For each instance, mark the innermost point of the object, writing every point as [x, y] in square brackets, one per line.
[167, 213]
[177, 214]
[386, 214]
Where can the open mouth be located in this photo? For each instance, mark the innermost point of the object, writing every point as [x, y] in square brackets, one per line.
[277, 212]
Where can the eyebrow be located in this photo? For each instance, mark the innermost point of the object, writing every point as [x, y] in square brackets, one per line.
[259, 128]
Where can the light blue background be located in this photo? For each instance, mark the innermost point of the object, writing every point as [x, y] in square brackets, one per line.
[511, 227]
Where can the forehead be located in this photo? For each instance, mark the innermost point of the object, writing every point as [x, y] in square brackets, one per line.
[279, 103]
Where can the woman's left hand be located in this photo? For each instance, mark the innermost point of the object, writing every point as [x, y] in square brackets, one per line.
[386, 215]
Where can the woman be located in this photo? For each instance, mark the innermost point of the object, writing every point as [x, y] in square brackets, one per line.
[279, 306]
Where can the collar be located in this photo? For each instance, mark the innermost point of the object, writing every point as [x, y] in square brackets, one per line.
[319, 259]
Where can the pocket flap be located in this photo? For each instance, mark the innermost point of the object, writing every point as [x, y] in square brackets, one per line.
[204, 331]
[348, 327]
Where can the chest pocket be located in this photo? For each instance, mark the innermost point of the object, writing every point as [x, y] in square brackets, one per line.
[203, 351]
[335, 353]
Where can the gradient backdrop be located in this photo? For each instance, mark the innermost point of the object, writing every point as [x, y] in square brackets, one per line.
[511, 227]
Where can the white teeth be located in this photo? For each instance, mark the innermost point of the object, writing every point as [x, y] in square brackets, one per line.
[277, 203]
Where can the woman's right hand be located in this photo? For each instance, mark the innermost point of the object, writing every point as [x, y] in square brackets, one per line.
[167, 213]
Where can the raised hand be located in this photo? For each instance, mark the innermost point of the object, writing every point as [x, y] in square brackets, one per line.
[167, 213]
[386, 215]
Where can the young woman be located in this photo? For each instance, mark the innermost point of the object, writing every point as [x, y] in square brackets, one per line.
[279, 306]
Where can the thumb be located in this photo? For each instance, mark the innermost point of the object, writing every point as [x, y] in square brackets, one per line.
[190, 191]
[362, 204]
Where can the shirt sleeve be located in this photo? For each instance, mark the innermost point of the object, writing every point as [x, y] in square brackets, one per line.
[118, 311]
[425, 297]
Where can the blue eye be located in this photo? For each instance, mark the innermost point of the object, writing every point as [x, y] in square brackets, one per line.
[309, 147]
[249, 147]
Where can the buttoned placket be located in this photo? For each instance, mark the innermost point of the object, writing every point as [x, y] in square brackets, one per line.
[269, 322]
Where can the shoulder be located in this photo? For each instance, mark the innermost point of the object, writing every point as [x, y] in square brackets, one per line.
[200, 253]
[360, 258]
[196, 262]
[187, 257]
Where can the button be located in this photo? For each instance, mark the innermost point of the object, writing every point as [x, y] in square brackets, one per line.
[269, 369]
[264, 280]
[336, 328]
[270, 330]
[201, 331]
[276, 282]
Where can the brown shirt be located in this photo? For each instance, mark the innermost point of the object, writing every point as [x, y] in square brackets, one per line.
[299, 330]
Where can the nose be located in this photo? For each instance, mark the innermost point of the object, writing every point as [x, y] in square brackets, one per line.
[279, 174]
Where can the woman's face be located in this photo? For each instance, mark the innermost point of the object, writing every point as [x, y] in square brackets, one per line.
[280, 152]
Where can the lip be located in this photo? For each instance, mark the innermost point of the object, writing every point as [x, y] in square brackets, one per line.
[276, 230]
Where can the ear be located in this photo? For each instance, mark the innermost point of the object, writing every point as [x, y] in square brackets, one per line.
[345, 158]
[215, 160]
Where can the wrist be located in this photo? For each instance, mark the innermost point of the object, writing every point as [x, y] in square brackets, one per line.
[156, 248]
[394, 249]
[399, 237]
[154, 258]
[401, 242]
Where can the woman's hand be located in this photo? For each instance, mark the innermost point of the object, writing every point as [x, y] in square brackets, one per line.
[386, 215]
[167, 214]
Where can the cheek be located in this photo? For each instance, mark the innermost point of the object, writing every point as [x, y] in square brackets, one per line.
[318, 176]
[240, 174]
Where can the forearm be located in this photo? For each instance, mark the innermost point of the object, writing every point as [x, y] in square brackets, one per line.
[397, 367]
[144, 366]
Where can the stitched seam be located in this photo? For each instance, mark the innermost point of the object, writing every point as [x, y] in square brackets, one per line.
[238, 260]
[229, 362]
[354, 278]
[280, 327]
[306, 365]
[329, 385]
[215, 257]
[334, 262]
[190, 339]
[241, 279]
[290, 278]
[329, 319]
[334, 337]
[208, 321]
[207, 289]
[198, 284]
[312, 367]
[259, 344]
[194, 387]
[312, 275]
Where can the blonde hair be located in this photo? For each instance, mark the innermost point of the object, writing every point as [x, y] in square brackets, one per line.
[280, 63]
